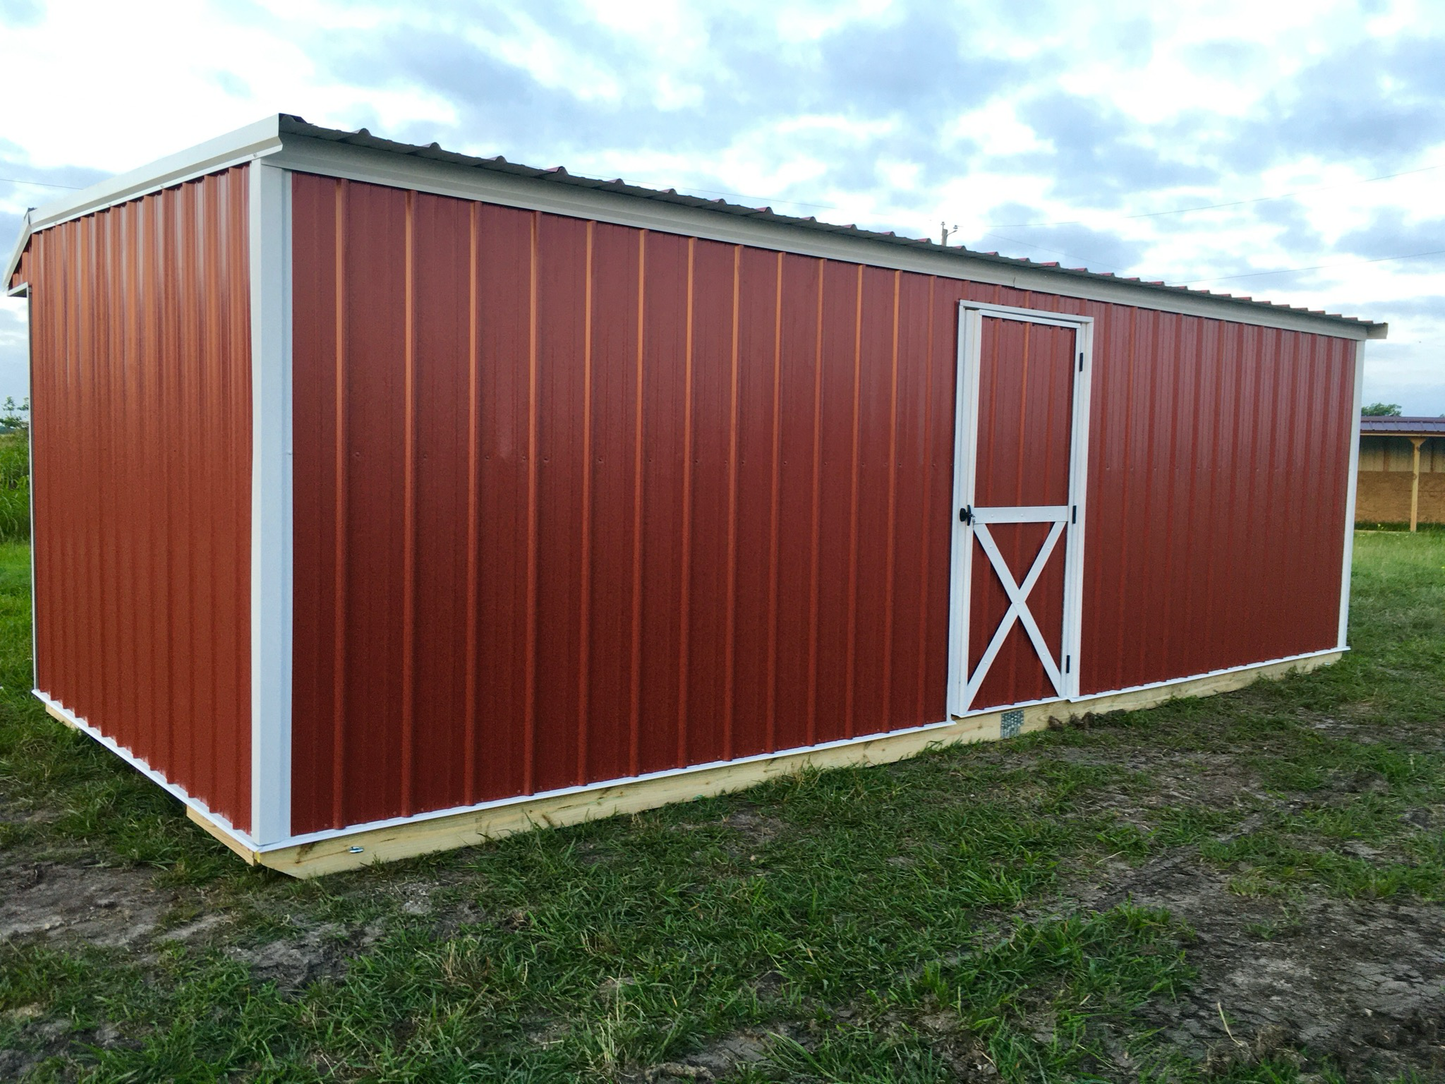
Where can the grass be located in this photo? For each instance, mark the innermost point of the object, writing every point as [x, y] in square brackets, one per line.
[901, 923]
[14, 486]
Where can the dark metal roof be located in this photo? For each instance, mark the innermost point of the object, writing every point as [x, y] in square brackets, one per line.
[1396, 426]
[559, 175]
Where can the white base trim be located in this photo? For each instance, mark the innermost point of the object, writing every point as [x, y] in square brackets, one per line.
[60, 711]
[669, 773]
[563, 792]
[1084, 699]
[950, 730]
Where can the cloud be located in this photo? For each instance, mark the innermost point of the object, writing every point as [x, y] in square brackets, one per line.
[21, 13]
[1395, 232]
[893, 115]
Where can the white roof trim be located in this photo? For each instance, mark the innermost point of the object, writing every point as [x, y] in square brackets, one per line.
[242, 145]
[360, 156]
[308, 154]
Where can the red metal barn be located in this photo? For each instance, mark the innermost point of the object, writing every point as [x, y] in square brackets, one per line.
[386, 498]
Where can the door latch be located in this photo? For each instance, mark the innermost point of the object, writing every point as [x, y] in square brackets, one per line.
[965, 514]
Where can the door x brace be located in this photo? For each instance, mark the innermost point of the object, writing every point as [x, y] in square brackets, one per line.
[1018, 609]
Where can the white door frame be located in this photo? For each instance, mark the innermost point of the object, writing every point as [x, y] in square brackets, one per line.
[970, 336]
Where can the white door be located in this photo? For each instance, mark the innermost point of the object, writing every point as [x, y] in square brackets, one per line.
[1020, 450]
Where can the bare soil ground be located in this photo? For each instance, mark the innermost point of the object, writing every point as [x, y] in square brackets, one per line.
[1356, 984]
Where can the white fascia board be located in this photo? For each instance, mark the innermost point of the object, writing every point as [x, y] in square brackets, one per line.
[242, 145]
[23, 289]
[307, 154]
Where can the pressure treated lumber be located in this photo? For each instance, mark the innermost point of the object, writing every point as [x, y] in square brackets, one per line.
[470, 827]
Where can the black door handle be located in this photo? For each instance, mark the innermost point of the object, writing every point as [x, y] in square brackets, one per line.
[965, 514]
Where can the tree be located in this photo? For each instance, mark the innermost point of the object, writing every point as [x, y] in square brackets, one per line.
[14, 417]
[1381, 410]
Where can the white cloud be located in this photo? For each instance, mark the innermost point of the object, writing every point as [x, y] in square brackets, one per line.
[1044, 113]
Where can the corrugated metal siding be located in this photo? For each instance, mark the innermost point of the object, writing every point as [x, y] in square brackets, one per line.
[577, 501]
[1385, 453]
[22, 270]
[504, 420]
[1219, 469]
[140, 346]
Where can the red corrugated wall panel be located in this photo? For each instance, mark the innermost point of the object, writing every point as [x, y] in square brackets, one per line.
[141, 396]
[578, 501]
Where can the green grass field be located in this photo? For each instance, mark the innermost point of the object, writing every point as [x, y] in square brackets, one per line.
[1073, 906]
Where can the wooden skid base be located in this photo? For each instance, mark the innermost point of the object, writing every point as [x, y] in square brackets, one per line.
[251, 857]
[56, 713]
[469, 827]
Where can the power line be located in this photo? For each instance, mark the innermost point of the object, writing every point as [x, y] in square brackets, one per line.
[39, 184]
[1218, 206]
[1083, 262]
[1316, 267]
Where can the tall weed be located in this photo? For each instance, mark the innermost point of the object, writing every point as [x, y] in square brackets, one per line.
[14, 487]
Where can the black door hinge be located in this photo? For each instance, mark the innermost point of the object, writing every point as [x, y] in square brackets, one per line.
[1081, 361]
[1074, 516]
[1068, 661]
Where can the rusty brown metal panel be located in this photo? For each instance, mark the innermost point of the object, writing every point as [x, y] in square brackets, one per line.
[694, 500]
[756, 528]
[142, 438]
[711, 440]
[606, 701]
[1218, 464]
[21, 275]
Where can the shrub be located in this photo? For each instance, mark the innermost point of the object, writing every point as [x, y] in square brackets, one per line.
[14, 487]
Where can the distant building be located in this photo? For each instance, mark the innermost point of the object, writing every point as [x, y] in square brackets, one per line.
[1402, 471]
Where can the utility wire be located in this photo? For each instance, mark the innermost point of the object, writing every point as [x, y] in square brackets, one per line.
[39, 184]
[1218, 206]
[1044, 248]
[1315, 267]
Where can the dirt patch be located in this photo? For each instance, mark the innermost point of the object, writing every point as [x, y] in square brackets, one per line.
[322, 952]
[111, 907]
[716, 1061]
[1359, 983]
[753, 825]
[41, 1037]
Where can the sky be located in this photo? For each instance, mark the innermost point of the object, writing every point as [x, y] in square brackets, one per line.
[1289, 152]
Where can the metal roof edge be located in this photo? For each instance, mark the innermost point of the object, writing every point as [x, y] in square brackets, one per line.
[254, 140]
[14, 262]
[1183, 297]
[1394, 425]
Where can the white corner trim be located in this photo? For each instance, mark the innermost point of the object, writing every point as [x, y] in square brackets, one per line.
[30, 461]
[1353, 482]
[272, 542]
[55, 707]
[308, 154]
